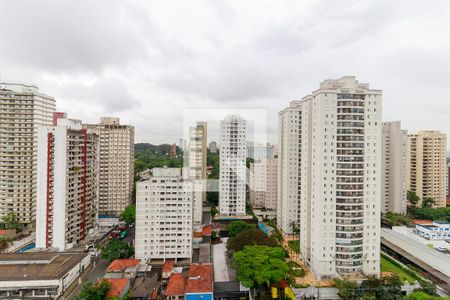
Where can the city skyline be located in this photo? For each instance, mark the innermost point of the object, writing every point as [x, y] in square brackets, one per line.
[163, 60]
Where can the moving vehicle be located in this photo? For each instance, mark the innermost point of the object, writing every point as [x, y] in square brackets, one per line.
[119, 232]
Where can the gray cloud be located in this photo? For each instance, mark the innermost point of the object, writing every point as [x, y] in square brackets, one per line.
[145, 61]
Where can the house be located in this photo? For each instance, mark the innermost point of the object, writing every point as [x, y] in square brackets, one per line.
[119, 265]
[119, 287]
[167, 268]
[199, 284]
[175, 287]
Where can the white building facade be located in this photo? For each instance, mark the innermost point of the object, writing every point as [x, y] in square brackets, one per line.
[263, 184]
[23, 109]
[164, 220]
[116, 163]
[196, 163]
[232, 180]
[67, 184]
[394, 165]
[341, 179]
[289, 159]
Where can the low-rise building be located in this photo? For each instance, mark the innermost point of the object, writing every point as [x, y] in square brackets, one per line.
[119, 287]
[197, 285]
[435, 231]
[39, 275]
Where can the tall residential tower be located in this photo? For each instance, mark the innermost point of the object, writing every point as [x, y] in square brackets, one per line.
[232, 181]
[427, 161]
[23, 108]
[116, 165]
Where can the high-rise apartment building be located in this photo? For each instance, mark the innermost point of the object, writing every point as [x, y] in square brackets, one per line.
[259, 152]
[232, 180]
[289, 156]
[393, 162]
[340, 176]
[263, 184]
[164, 216]
[116, 165]
[427, 160]
[196, 162]
[67, 183]
[22, 110]
[213, 147]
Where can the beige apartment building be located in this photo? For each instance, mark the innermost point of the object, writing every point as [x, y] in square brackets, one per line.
[427, 161]
[23, 108]
[116, 161]
[263, 184]
[196, 156]
[393, 184]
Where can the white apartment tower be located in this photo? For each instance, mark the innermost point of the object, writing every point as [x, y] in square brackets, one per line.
[196, 158]
[22, 110]
[289, 157]
[263, 184]
[340, 177]
[116, 165]
[232, 180]
[67, 183]
[393, 161]
[427, 161]
[164, 216]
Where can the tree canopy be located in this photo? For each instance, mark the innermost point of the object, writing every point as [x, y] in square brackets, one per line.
[419, 295]
[441, 213]
[428, 202]
[10, 221]
[236, 227]
[129, 214]
[253, 236]
[91, 291]
[412, 198]
[257, 265]
[115, 249]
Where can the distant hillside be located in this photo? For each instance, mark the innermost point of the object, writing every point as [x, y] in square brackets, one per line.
[161, 149]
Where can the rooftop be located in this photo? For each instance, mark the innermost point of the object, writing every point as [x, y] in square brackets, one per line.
[37, 265]
[176, 285]
[207, 230]
[200, 278]
[168, 266]
[118, 286]
[119, 265]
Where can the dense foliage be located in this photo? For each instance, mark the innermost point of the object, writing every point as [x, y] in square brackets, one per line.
[419, 295]
[89, 291]
[10, 221]
[394, 219]
[129, 214]
[236, 227]
[386, 288]
[115, 249]
[412, 198]
[213, 159]
[442, 213]
[252, 236]
[148, 156]
[257, 265]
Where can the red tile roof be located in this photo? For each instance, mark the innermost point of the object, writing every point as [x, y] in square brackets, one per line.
[118, 286]
[200, 279]
[176, 285]
[207, 230]
[168, 266]
[119, 265]
[422, 221]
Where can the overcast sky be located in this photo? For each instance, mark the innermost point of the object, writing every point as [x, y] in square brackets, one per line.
[146, 61]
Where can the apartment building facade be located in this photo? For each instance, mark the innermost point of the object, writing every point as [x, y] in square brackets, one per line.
[23, 109]
[289, 159]
[427, 161]
[340, 176]
[394, 164]
[263, 184]
[164, 220]
[196, 162]
[67, 183]
[232, 179]
[116, 162]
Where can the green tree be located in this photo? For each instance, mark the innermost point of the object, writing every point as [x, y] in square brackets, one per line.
[440, 213]
[257, 265]
[10, 221]
[91, 291]
[248, 161]
[115, 249]
[428, 202]
[420, 295]
[253, 236]
[412, 198]
[236, 227]
[129, 214]
[347, 289]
